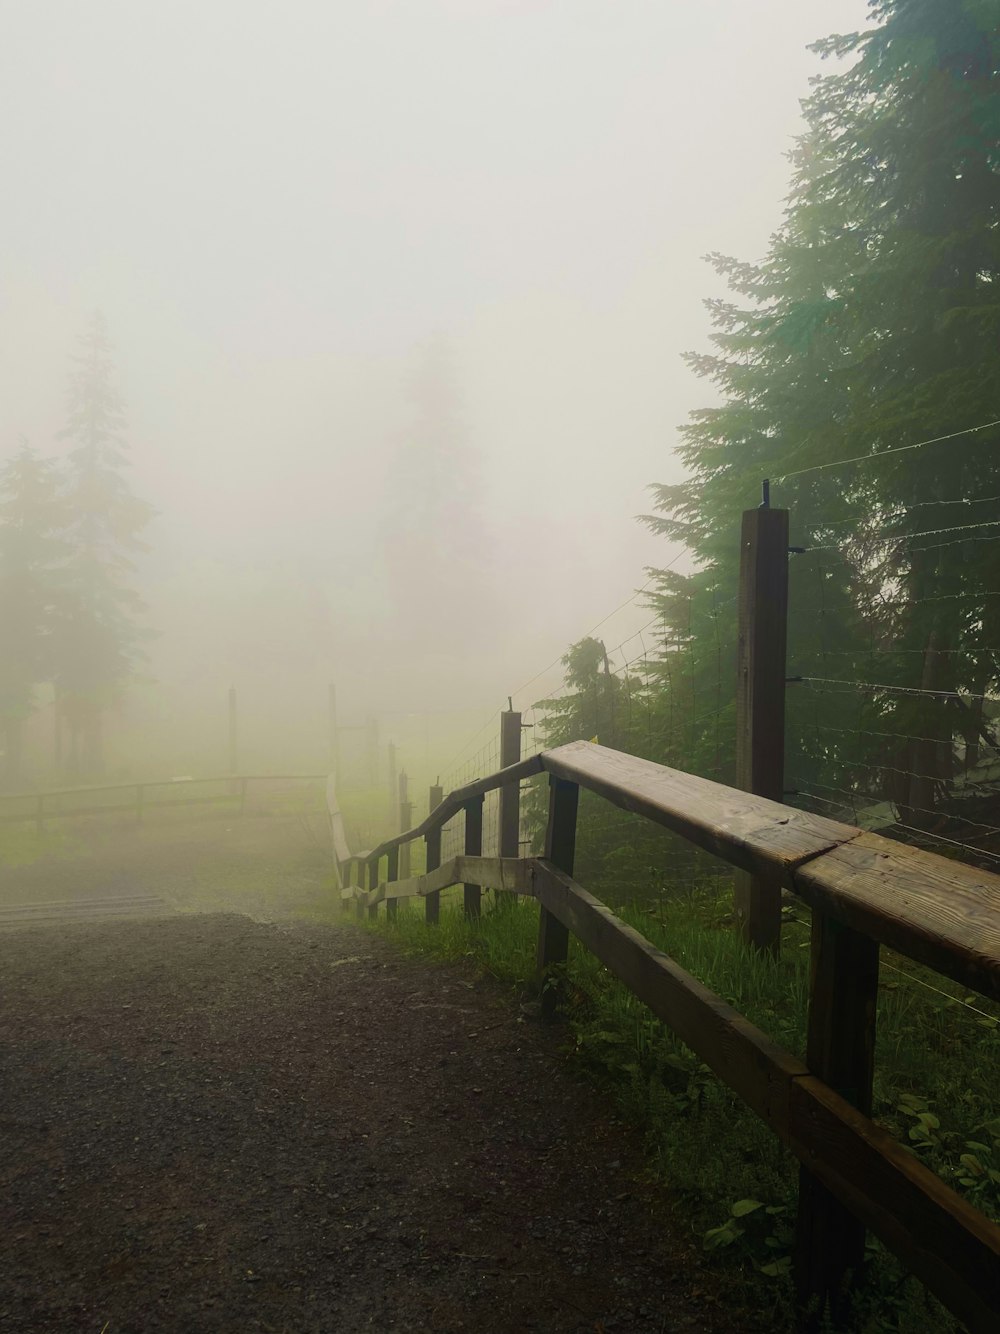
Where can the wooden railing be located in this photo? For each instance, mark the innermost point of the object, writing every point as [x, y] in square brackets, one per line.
[40, 808]
[864, 891]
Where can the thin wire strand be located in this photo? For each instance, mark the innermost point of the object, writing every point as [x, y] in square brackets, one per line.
[884, 453]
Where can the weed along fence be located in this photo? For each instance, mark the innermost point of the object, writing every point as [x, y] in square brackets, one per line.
[137, 798]
[863, 891]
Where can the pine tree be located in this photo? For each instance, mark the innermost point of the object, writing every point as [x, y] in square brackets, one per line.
[873, 324]
[97, 644]
[31, 518]
[433, 539]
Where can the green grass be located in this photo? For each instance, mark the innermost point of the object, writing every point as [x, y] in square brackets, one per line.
[937, 1085]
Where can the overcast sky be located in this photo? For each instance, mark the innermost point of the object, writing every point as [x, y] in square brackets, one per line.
[276, 206]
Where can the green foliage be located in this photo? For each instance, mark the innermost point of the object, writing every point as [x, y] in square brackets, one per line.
[97, 639]
[871, 324]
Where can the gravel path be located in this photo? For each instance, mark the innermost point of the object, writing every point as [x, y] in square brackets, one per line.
[214, 1123]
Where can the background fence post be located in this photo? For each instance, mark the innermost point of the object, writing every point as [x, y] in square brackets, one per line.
[472, 895]
[359, 902]
[334, 738]
[392, 873]
[394, 795]
[405, 823]
[432, 902]
[760, 700]
[560, 849]
[138, 803]
[372, 884]
[840, 1050]
[233, 737]
[510, 795]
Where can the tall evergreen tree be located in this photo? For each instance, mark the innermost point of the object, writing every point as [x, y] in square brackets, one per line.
[98, 637]
[31, 519]
[872, 325]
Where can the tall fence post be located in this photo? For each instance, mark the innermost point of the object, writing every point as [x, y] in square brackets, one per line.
[405, 823]
[432, 840]
[760, 700]
[560, 849]
[840, 1050]
[359, 902]
[472, 895]
[372, 884]
[394, 797]
[510, 794]
[391, 874]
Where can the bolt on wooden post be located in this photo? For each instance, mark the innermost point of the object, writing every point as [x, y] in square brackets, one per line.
[432, 841]
[560, 849]
[760, 700]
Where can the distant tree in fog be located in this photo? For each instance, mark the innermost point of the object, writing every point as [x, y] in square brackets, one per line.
[97, 639]
[432, 537]
[32, 516]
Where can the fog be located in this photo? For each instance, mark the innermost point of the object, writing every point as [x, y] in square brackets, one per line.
[398, 291]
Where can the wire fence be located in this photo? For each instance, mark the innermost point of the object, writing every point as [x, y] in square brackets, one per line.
[893, 655]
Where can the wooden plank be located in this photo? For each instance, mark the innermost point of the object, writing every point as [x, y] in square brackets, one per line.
[744, 1058]
[560, 851]
[930, 908]
[760, 701]
[507, 875]
[472, 895]
[754, 833]
[843, 992]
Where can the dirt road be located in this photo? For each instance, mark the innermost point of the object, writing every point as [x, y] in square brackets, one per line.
[211, 1123]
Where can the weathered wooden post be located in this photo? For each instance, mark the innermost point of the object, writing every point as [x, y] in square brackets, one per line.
[432, 841]
[510, 794]
[560, 849]
[760, 699]
[359, 902]
[392, 873]
[472, 895]
[840, 1050]
[372, 885]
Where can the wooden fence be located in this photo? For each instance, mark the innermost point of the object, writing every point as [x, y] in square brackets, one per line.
[864, 891]
[41, 807]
